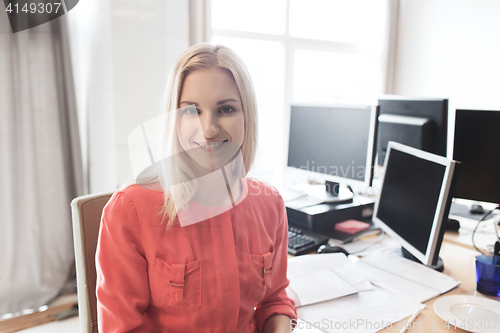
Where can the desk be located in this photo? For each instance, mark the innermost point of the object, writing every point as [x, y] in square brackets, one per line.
[485, 235]
[459, 262]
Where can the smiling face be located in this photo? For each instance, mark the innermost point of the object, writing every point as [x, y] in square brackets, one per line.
[211, 121]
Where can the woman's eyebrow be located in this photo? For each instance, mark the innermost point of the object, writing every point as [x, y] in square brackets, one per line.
[187, 102]
[218, 103]
[228, 100]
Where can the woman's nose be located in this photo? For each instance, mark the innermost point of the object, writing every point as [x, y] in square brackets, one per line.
[209, 125]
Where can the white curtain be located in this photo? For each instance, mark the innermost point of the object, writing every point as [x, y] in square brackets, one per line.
[40, 164]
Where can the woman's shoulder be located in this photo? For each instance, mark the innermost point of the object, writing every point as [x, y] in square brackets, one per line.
[135, 195]
[266, 198]
[142, 189]
[130, 206]
[257, 187]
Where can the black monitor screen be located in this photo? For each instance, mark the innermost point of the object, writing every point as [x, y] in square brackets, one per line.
[419, 123]
[477, 147]
[409, 197]
[331, 140]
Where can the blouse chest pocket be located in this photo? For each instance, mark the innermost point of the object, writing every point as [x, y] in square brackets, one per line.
[261, 271]
[177, 285]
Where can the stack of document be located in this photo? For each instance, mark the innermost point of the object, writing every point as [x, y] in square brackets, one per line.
[319, 278]
[392, 272]
[334, 294]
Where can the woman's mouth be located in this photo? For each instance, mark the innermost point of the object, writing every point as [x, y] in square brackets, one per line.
[211, 146]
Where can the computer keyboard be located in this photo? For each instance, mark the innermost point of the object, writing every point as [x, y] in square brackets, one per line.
[302, 241]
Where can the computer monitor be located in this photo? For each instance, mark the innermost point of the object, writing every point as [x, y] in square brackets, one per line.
[414, 199]
[336, 142]
[416, 122]
[477, 147]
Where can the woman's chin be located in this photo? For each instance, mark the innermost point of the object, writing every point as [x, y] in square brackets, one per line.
[213, 160]
[217, 164]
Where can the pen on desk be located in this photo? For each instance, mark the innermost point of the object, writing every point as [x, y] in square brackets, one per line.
[367, 237]
[412, 318]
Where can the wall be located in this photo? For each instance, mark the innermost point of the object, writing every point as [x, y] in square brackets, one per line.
[122, 53]
[450, 48]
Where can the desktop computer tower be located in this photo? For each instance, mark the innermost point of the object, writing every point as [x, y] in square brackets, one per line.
[323, 217]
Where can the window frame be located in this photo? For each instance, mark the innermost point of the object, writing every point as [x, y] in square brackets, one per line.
[290, 44]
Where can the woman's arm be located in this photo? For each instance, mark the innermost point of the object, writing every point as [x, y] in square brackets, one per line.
[278, 324]
[122, 280]
[277, 309]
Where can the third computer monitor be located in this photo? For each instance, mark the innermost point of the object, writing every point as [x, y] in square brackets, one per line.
[477, 147]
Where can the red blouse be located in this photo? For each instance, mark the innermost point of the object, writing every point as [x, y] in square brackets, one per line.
[224, 274]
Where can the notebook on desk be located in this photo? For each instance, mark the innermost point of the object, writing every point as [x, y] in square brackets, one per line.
[402, 276]
[347, 298]
[323, 277]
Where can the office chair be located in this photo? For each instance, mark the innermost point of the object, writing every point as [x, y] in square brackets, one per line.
[86, 213]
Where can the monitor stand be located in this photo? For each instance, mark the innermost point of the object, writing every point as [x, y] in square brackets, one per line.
[314, 195]
[438, 267]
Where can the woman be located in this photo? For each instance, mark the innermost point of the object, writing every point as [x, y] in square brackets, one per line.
[200, 255]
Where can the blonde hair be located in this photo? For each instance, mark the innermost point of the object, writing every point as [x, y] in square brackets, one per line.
[200, 57]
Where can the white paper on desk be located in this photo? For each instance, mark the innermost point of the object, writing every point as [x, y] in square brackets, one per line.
[365, 312]
[400, 275]
[318, 278]
[363, 286]
[364, 247]
[319, 286]
[336, 262]
[393, 261]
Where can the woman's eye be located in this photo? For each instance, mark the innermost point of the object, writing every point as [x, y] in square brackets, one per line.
[226, 109]
[191, 111]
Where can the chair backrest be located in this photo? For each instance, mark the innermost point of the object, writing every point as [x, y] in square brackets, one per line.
[86, 212]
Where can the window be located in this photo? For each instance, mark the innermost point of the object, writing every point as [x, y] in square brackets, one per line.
[307, 52]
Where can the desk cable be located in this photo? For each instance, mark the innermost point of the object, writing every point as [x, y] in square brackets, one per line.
[477, 225]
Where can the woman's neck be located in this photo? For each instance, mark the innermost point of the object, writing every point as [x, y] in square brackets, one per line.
[218, 189]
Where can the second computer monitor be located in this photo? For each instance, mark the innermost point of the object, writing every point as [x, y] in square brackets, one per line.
[335, 141]
[421, 123]
[414, 200]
